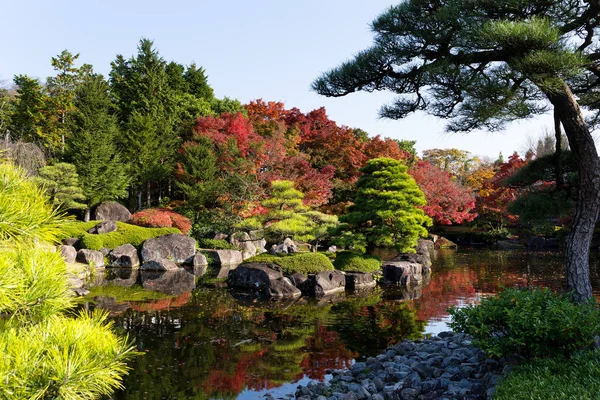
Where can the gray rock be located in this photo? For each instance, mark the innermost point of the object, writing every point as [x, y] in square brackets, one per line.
[282, 288]
[242, 241]
[325, 283]
[125, 256]
[199, 260]
[112, 211]
[409, 394]
[90, 257]
[68, 253]
[287, 247]
[170, 282]
[161, 264]
[225, 257]
[220, 236]
[178, 248]
[359, 280]
[263, 278]
[298, 279]
[536, 242]
[105, 251]
[402, 272]
[71, 242]
[104, 227]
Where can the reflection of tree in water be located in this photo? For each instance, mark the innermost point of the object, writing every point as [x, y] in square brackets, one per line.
[368, 325]
[215, 348]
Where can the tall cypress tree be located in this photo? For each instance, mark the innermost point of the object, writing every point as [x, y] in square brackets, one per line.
[93, 150]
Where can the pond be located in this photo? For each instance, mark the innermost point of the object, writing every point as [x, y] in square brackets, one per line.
[209, 344]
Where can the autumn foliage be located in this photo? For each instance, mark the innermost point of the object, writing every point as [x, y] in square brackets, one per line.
[448, 202]
[161, 218]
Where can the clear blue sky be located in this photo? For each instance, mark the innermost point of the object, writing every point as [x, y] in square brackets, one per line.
[250, 49]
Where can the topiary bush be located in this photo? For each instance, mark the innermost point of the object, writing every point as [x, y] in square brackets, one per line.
[529, 323]
[125, 233]
[355, 262]
[161, 218]
[305, 263]
[216, 244]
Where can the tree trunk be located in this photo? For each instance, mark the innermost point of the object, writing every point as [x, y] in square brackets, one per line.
[139, 199]
[86, 216]
[149, 196]
[558, 151]
[577, 246]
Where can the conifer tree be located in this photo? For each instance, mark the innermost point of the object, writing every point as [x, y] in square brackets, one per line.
[102, 172]
[385, 210]
[61, 183]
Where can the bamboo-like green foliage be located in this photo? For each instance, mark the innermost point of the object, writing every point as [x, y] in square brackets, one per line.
[46, 354]
[385, 211]
[62, 358]
[24, 212]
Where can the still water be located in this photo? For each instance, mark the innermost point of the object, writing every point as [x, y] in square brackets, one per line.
[209, 344]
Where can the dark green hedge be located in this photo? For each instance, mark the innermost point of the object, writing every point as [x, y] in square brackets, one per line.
[305, 263]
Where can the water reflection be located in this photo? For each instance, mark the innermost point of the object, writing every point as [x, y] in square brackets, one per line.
[211, 343]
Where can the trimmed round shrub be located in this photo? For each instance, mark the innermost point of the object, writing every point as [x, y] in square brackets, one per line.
[350, 261]
[530, 323]
[161, 218]
[305, 263]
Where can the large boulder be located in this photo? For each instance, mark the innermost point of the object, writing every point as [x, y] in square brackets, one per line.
[178, 248]
[359, 280]
[125, 256]
[68, 253]
[112, 211]
[403, 272]
[225, 257]
[242, 241]
[266, 279]
[287, 247]
[424, 259]
[298, 279]
[170, 282]
[104, 227]
[161, 264]
[90, 257]
[325, 283]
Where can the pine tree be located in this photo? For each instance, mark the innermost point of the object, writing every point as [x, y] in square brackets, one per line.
[61, 183]
[102, 172]
[385, 210]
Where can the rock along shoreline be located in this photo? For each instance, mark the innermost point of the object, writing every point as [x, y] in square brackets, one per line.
[445, 367]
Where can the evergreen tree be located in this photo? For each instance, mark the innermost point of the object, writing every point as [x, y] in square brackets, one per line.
[61, 183]
[147, 111]
[198, 176]
[102, 172]
[288, 217]
[385, 210]
[28, 122]
[482, 64]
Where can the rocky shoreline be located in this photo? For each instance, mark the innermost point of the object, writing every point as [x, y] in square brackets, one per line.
[445, 367]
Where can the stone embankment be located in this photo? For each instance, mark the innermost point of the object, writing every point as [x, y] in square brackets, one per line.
[446, 367]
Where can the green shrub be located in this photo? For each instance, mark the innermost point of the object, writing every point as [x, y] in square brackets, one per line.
[125, 233]
[529, 323]
[216, 244]
[356, 262]
[305, 263]
[556, 378]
